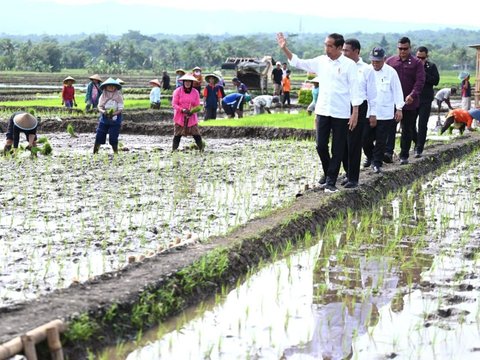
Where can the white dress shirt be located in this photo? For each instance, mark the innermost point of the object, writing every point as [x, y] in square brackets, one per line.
[389, 92]
[367, 86]
[338, 84]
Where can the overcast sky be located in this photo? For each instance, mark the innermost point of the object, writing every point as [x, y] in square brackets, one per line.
[21, 17]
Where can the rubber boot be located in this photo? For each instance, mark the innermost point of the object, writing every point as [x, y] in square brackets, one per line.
[96, 147]
[176, 142]
[198, 141]
[7, 149]
[115, 148]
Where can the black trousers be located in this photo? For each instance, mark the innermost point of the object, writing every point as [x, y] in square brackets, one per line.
[375, 141]
[409, 131]
[338, 128]
[353, 149]
[424, 111]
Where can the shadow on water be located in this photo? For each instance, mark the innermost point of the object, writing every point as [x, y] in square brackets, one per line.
[397, 280]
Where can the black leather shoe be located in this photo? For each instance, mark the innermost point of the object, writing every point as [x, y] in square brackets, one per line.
[344, 181]
[418, 155]
[322, 182]
[376, 169]
[367, 163]
[387, 158]
[351, 185]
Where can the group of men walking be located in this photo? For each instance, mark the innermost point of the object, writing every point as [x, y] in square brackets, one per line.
[359, 105]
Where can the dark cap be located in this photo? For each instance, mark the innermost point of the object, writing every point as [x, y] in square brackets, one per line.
[377, 53]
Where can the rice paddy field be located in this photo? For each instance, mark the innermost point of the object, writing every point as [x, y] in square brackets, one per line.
[68, 217]
[397, 281]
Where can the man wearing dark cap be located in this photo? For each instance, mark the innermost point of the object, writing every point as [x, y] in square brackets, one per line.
[389, 103]
[19, 122]
[412, 77]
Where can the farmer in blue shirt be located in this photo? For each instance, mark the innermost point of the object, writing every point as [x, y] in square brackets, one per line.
[233, 103]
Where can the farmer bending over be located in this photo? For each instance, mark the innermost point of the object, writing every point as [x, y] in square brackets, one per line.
[21, 121]
[460, 119]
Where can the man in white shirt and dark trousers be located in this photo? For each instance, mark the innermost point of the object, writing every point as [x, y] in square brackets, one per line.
[389, 103]
[368, 92]
[338, 80]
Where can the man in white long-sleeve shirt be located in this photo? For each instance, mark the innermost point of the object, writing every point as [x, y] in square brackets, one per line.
[338, 90]
[368, 92]
[390, 102]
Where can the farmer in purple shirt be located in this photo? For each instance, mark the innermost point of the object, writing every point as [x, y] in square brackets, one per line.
[412, 77]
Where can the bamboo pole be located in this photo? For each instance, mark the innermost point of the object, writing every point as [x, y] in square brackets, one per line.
[39, 334]
[54, 344]
[29, 347]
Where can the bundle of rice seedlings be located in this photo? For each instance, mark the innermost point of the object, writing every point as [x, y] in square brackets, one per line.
[71, 130]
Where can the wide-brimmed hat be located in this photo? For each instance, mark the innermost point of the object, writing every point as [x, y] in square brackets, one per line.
[25, 121]
[188, 77]
[95, 77]
[215, 77]
[463, 75]
[110, 81]
[180, 71]
[120, 81]
[316, 79]
[197, 68]
[218, 73]
[68, 78]
[155, 82]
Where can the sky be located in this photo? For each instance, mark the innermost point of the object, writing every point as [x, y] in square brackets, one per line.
[116, 17]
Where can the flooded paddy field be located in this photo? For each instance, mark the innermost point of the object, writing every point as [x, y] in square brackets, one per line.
[400, 280]
[112, 216]
[72, 216]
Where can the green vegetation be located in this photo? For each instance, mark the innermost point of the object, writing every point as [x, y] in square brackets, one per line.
[297, 121]
[133, 51]
[52, 101]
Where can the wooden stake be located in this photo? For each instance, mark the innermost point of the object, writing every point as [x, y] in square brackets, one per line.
[54, 344]
[29, 347]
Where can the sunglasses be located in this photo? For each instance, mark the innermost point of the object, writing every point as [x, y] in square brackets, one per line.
[421, 57]
[403, 48]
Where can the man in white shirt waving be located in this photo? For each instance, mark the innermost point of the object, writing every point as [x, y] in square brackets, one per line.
[338, 90]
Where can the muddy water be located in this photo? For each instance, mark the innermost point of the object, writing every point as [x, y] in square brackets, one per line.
[71, 216]
[400, 281]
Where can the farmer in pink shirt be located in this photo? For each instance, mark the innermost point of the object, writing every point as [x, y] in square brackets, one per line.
[186, 103]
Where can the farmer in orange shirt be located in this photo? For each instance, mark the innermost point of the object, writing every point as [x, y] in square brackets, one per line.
[460, 119]
[286, 86]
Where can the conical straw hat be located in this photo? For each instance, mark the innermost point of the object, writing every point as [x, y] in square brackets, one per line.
[25, 121]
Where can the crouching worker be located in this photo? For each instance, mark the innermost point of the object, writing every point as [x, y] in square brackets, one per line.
[460, 119]
[233, 104]
[110, 107]
[186, 103]
[19, 122]
[264, 103]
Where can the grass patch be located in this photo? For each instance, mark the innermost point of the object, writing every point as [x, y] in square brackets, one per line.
[56, 101]
[296, 121]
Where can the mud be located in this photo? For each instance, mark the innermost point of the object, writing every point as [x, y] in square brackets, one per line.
[247, 245]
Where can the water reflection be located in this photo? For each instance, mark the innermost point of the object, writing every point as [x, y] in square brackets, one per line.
[381, 288]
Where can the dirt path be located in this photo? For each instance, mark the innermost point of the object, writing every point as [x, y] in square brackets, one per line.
[246, 246]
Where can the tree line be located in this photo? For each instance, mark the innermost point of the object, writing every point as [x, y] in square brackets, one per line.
[99, 53]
